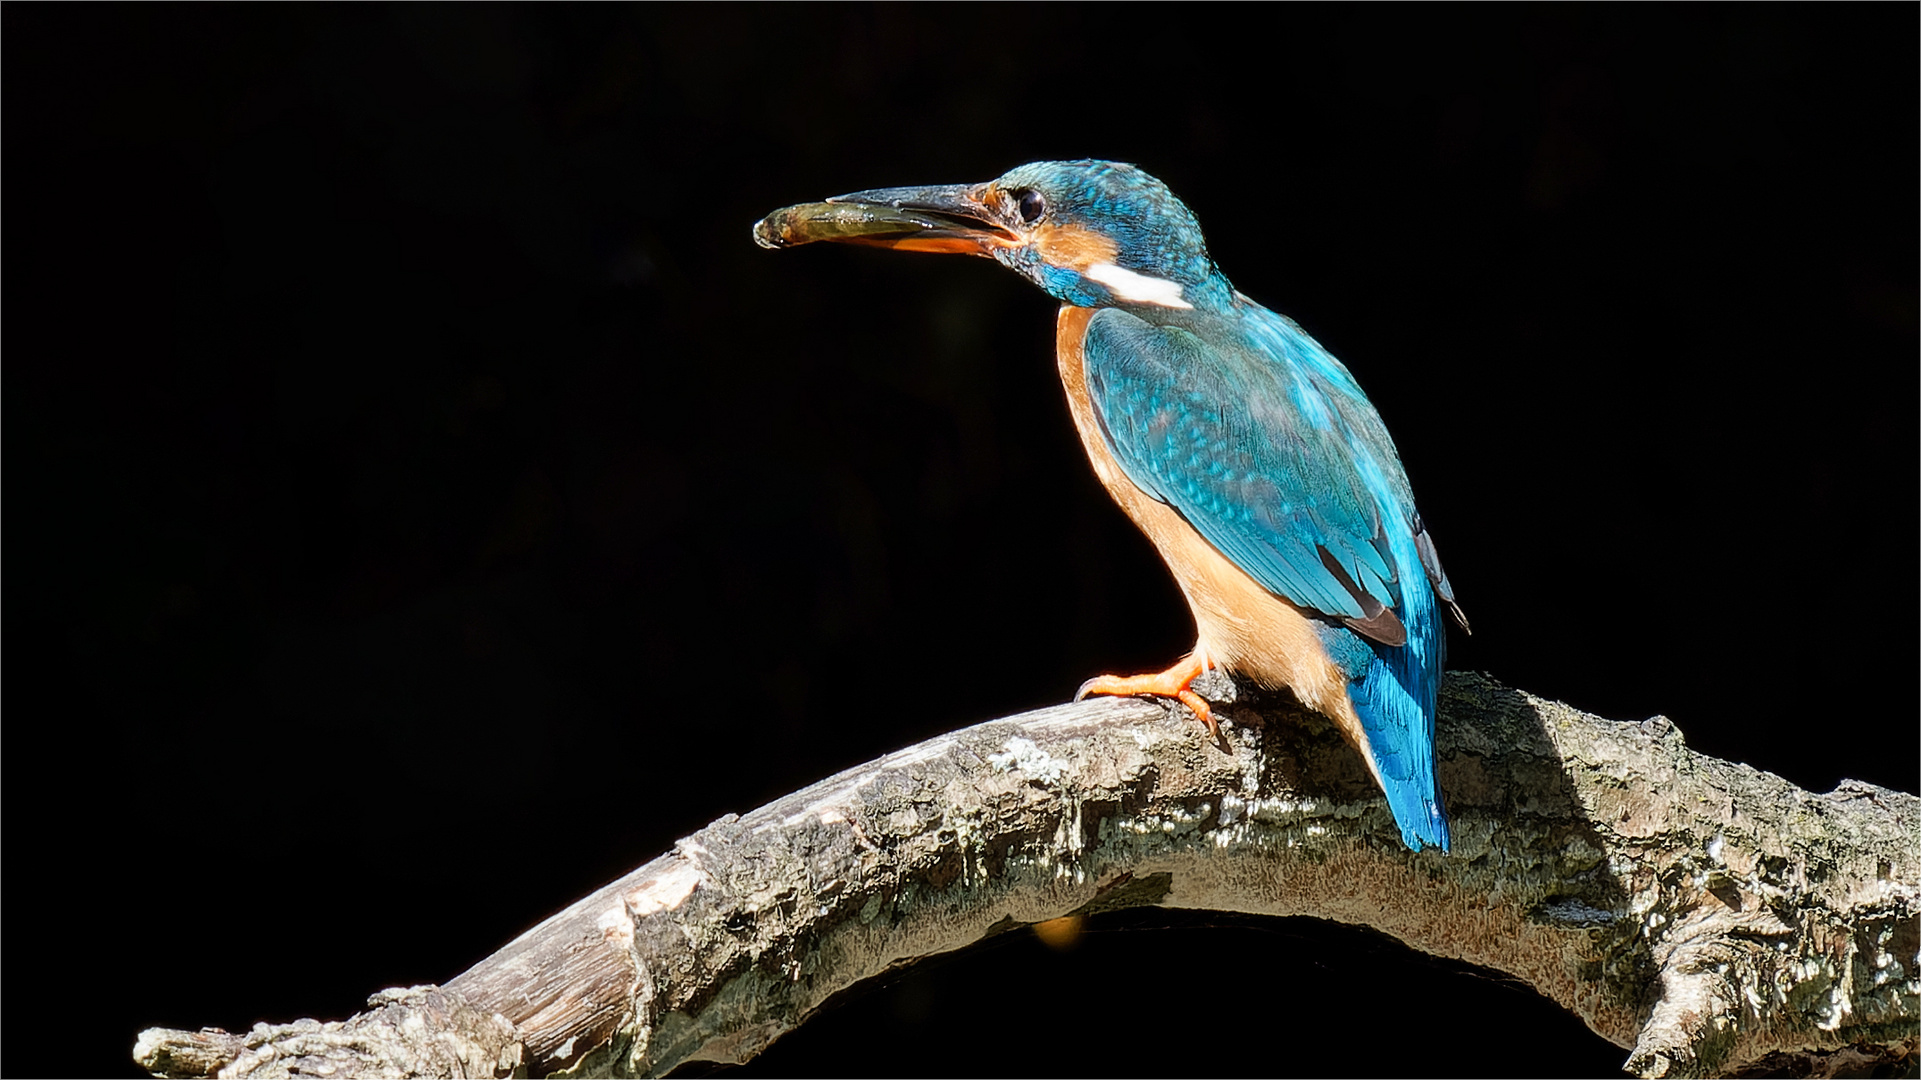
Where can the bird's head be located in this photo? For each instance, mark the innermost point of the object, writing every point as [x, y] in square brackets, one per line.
[1091, 233]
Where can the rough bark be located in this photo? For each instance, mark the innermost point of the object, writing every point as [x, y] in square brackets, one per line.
[1707, 917]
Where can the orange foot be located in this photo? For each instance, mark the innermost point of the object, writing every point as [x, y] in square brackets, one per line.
[1170, 683]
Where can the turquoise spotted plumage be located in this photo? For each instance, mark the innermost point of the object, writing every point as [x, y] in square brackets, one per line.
[1246, 452]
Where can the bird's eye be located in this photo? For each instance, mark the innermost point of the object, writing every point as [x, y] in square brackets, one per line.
[1032, 206]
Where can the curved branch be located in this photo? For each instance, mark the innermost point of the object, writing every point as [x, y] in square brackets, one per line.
[1709, 917]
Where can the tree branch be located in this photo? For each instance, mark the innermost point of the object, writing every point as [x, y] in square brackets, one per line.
[1711, 918]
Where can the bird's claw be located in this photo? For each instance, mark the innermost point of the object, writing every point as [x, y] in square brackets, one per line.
[1172, 683]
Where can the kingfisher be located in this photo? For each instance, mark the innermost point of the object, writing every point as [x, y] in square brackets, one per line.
[1244, 450]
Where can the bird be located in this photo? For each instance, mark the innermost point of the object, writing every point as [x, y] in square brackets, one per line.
[1247, 454]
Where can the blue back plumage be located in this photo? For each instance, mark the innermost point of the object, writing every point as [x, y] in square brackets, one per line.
[1267, 446]
[1260, 439]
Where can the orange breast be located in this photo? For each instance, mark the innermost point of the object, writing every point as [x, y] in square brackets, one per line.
[1239, 624]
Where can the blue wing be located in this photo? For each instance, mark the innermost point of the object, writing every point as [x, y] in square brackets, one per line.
[1266, 445]
[1277, 460]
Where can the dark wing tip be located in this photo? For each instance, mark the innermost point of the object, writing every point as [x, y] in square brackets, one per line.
[1377, 622]
[1431, 562]
[1383, 626]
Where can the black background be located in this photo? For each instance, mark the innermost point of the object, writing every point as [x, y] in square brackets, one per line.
[425, 503]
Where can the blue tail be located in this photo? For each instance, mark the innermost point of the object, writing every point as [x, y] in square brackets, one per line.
[1393, 689]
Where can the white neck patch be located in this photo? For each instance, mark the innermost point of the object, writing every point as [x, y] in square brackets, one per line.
[1138, 288]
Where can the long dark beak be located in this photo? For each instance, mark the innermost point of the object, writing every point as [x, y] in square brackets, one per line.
[944, 219]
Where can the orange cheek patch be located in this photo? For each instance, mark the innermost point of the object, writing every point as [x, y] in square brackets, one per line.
[1073, 247]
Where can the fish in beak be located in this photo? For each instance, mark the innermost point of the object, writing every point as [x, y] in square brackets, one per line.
[960, 219]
